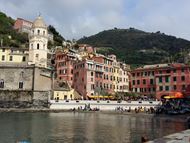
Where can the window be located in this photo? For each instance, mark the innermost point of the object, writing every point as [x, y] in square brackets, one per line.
[31, 46]
[174, 71]
[183, 87]
[11, 58]
[38, 32]
[23, 59]
[167, 79]
[174, 87]
[20, 85]
[160, 88]
[91, 79]
[91, 73]
[1, 83]
[182, 78]
[144, 81]
[3, 50]
[174, 78]
[168, 71]
[152, 73]
[43, 32]
[65, 97]
[133, 82]
[160, 72]
[160, 79]
[3, 58]
[182, 70]
[167, 88]
[138, 82]
[151, 81]
[38, 46]
[92, 86]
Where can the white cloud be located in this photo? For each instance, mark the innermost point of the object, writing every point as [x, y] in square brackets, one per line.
[77, 18]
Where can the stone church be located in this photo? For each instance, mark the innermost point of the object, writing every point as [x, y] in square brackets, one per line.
[25, 78]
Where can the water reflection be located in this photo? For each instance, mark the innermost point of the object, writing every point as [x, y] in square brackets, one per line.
[85, 127]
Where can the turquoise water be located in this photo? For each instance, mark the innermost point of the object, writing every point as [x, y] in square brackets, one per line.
[85, 127]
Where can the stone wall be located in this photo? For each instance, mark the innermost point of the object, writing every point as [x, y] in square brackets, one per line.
[12, 75]
[36, 86]
[15, 99]
[24, 99]
[41, 98]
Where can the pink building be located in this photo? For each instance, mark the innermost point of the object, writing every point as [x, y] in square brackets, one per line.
[84, 78]
[22, 25]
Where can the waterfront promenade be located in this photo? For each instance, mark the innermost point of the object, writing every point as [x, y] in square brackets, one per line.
[102, 104]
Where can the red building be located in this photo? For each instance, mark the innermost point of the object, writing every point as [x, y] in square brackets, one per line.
[160, 80]
[64, 66]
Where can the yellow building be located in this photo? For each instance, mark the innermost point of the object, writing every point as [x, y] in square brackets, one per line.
[13, 55]
[62, 91]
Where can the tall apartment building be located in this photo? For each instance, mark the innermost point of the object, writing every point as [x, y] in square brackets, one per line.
[161, 79]
[64, 66]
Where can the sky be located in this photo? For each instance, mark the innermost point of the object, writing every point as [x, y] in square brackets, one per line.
[78, 18]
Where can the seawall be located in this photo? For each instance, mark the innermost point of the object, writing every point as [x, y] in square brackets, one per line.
[102, 105]
[24, 99]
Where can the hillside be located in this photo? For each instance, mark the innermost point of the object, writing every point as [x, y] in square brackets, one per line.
[8, 35]
[12, 38]
[137, 47]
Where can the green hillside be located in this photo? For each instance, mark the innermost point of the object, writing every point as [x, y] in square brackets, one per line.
[137, 47]
[8, 35]
[12, 38]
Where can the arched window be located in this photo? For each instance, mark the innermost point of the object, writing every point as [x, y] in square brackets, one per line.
[31, 46]
[44, 32]
[38, 32]
[38, 46]
[1, 83]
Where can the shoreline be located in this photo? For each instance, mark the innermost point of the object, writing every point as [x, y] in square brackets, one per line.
[47, 110]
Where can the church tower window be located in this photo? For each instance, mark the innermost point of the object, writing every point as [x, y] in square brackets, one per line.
[38, 46]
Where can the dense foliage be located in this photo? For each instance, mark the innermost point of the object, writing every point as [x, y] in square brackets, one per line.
[58, 39]
[137, 47]
[8, 35]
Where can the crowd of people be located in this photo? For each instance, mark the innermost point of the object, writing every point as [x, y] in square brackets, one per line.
[174, 106]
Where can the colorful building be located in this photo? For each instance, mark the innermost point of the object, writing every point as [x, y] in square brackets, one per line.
[13, 55]
[160, 79]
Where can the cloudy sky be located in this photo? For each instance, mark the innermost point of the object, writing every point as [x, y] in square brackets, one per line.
[78, 18]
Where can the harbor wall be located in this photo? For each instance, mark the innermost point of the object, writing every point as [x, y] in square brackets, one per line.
[102, 105]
